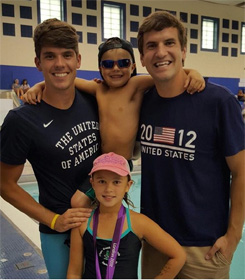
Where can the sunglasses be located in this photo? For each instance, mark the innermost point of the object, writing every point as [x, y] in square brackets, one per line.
[121, 63]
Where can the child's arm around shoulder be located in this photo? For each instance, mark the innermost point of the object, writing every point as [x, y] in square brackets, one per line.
[194, 82]
[34, 94]
[148, 230]
[89, 86]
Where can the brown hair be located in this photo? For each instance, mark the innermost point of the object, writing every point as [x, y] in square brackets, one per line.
[55, 33]
[158, 21]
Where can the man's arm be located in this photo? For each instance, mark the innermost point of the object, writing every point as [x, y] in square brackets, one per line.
[227, 244]
[15, 195]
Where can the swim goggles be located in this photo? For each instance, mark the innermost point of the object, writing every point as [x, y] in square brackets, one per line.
[121, 63]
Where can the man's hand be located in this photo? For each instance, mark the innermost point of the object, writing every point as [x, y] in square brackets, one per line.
[225, 245]
[72, 218]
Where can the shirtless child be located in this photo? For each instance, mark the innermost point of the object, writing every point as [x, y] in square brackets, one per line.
[119, 96]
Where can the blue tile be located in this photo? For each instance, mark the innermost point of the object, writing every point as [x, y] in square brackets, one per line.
[225, 37]
[92, 38]
[234, 52]
[194, 34]
[26, 31]
[134, 26]
[9, 29]
[25, 12]
[92, 4]
[226, 23]
[235, 25]
[134, 10]
[146, 11]
[225, 51]
[76, 3]
[77, 19]
[134, 42]
[92, 21]
[194, 19]
[234, 38]
[7, 10]
[193, 48]
[184, 17]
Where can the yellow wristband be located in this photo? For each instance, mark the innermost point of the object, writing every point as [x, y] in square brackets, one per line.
[54, 221]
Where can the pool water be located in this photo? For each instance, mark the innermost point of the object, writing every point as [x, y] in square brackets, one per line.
[237, 268]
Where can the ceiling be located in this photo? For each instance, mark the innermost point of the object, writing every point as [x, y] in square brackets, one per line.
[236, 3]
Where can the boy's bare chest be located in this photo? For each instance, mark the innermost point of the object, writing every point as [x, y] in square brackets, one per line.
[118, 102]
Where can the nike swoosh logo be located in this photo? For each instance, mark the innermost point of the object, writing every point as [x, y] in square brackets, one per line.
[47, 124]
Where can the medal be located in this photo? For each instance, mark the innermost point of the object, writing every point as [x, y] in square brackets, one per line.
[114, 245]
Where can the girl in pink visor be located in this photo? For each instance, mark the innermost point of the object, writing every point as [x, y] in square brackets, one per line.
[108, 245]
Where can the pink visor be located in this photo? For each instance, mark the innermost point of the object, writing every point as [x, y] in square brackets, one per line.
[111, 162]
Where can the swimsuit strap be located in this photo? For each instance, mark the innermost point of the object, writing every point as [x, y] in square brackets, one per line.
[128, 220]
[90, 219]
[123, 234]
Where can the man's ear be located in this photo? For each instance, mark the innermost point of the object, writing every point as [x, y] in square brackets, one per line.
[79, 59]
[184, 55]
[38, 64]
[142, 60]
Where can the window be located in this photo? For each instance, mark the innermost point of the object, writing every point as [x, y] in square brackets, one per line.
[50, 9]
[243, 39]
[209, 38]
[113, 20]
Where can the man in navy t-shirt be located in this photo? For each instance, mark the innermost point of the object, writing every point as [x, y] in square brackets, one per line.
[191, 145]
[60, 138]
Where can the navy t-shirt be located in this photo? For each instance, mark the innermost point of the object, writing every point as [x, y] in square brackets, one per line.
[60, 145]
[185, 177]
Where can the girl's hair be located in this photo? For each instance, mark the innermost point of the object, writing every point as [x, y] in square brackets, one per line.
[55, 33]
[128, 200]
[158, 21]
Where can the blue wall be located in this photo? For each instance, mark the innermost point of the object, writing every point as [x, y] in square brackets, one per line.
[230, 83]
[9, 73]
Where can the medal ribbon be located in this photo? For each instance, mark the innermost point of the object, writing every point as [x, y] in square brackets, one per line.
[114, 245]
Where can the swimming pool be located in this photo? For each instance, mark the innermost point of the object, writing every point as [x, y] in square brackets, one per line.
[134, 193]
[237, 268]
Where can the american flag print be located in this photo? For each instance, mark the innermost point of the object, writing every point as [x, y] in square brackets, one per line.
[164, 135]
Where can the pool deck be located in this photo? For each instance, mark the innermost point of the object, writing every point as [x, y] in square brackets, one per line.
[20, 248]
[20, 258]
